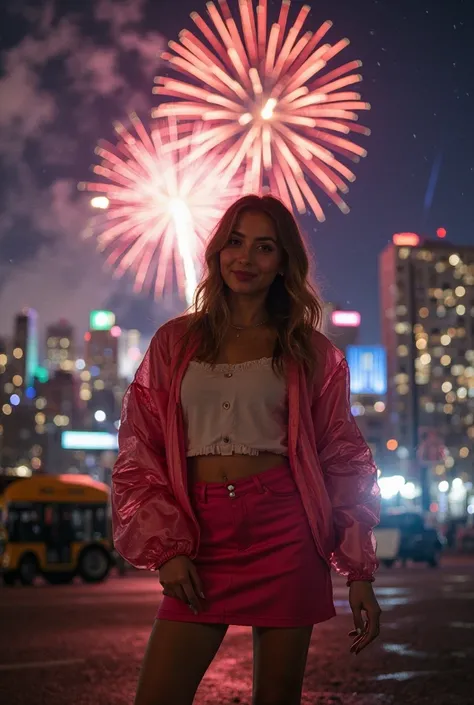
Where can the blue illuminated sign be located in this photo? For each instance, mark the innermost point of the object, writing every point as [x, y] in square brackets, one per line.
[368, 367]
[89, 440]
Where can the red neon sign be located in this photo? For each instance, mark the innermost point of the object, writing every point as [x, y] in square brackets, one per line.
[348, 319]
[406, 239]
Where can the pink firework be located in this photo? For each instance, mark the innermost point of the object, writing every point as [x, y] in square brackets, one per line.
[267, 101]
[157, 216]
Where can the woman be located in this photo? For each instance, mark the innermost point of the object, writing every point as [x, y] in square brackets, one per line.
[242, 476]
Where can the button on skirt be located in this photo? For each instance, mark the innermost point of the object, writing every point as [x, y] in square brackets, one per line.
[257, 559]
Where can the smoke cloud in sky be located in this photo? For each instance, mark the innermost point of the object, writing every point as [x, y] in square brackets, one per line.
[74, 72]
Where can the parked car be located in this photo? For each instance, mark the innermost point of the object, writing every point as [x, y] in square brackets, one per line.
[405, 536]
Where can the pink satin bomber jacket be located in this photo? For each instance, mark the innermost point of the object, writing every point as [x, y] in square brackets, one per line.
[332, 465]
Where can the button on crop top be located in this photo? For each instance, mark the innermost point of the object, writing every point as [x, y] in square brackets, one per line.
[240, 408]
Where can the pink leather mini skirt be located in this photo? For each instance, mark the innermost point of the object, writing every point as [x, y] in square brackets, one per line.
[257, 559]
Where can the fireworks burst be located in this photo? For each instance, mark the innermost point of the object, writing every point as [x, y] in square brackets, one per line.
[157, 216]
[267, 102]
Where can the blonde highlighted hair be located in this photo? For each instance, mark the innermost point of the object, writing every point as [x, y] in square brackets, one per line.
[293, 305]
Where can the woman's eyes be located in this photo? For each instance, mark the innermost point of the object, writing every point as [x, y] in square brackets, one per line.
[234, 242]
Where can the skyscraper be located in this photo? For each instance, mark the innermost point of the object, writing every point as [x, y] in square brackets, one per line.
[427, 301]
[24, 360]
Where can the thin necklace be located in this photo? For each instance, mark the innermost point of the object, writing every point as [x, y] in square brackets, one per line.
[240, 328]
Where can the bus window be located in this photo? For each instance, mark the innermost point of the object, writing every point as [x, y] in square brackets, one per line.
[24, 523]
[100, 523]
[89, 523]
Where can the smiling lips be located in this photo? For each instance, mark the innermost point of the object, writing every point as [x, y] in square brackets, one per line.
[244, 276]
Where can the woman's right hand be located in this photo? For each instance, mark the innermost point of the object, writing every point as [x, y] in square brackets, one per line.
[180, 579]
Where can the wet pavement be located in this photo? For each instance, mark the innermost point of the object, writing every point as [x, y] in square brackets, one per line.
[82, 645]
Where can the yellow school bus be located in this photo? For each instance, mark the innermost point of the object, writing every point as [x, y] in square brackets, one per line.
[56, 526]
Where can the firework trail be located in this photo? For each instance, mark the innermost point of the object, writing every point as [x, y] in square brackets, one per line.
[267, 101]
[157, 216]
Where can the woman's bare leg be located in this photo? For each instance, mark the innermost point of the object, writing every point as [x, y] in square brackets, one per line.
[279, 655]
[177, 657]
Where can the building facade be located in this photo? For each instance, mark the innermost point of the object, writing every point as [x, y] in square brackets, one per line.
[427, 303]
[60, 348]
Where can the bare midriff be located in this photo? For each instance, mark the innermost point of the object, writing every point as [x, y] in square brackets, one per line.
[220, 468]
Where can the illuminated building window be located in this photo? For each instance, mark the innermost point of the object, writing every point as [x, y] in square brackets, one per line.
[3, 359]
[454, 260]
[404, 252]
[462, 392]
[460, 291]
[423, 312]
[440, 311]
[470, 431]
[85, 376]
[64, 342]
[9, 388]
[440, 267]
[401, 378]
[421, 344]
[463, 452]
[18, 353]
[445, 360]
[448, 408]
[99, 384]
[41, 403]
[425, 359]
[450, 301]
[446, 387]
[52, 342]
[403, 389]
[460, 310]
[402, 327]
[450, 397]
[17, 380]
[7, 410]
[429, 407]
[449, 462]
[85, 394]
[402, 350]
[445, 339]
[40, 419]
[438, 293]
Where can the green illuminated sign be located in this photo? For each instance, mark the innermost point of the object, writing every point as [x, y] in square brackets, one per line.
[102, 320]
[41, 374]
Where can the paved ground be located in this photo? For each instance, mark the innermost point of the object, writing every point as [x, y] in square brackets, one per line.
[82, 645]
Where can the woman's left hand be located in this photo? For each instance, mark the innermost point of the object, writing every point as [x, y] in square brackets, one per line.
[362, 599]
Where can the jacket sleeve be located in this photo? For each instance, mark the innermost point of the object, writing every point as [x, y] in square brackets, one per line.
[149, 526]
[350, 476]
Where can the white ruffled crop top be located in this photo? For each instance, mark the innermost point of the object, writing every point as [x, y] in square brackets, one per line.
[240, 408]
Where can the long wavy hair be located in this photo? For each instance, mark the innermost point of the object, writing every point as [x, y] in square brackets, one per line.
[292, 304]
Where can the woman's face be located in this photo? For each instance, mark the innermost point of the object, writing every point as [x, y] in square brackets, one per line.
[252, 256]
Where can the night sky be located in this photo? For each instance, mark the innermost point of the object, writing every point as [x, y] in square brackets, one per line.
[69, 68]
